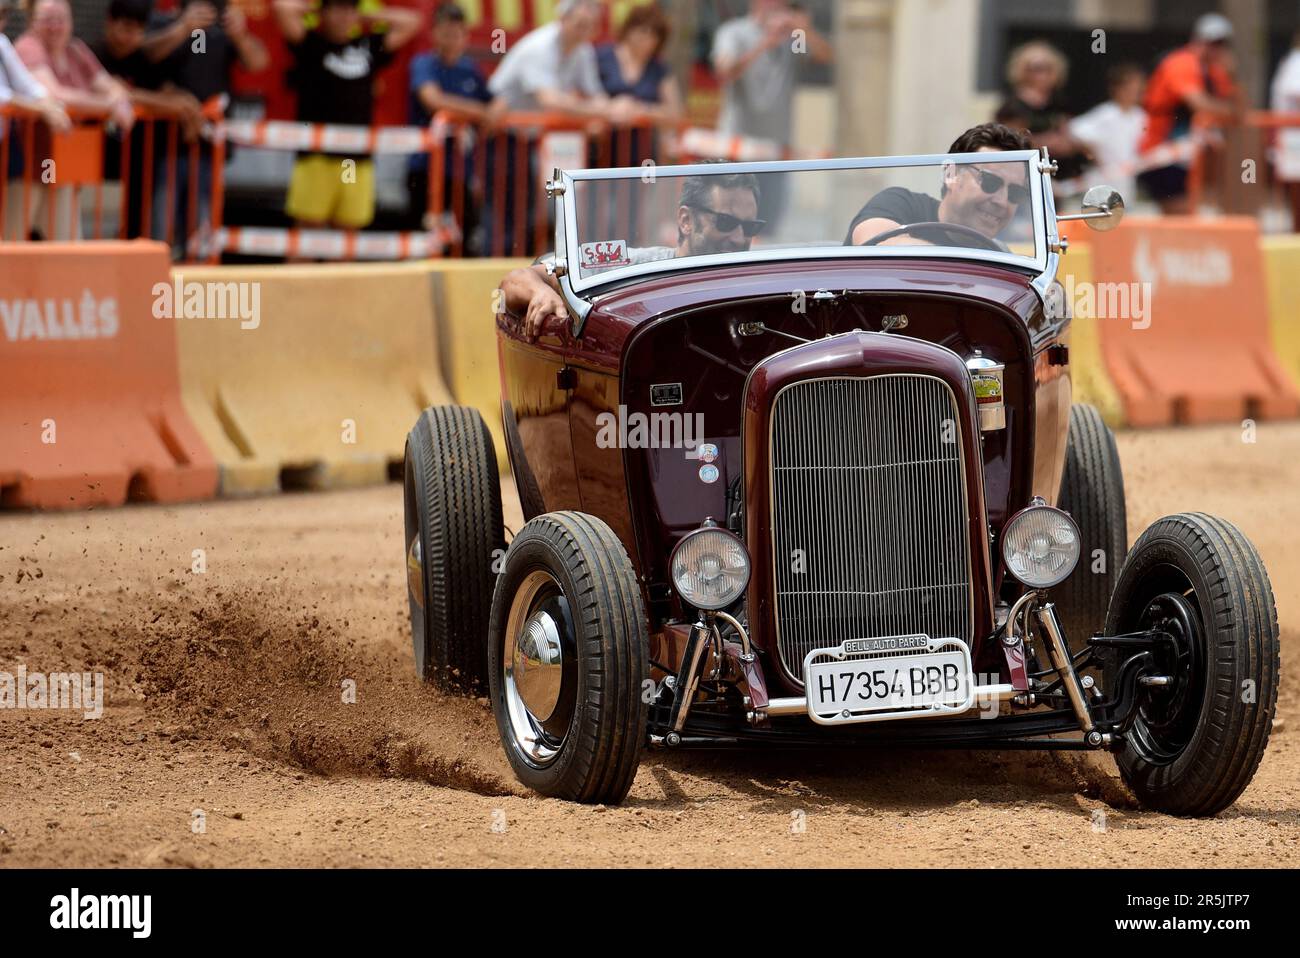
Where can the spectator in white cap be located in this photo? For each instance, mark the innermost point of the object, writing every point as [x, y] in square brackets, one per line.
[1196, 78]
[553, 68]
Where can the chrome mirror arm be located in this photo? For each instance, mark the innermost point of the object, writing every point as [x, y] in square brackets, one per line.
[1100, 214]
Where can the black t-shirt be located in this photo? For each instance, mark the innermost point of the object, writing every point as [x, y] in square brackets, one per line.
[335, 81]
[135, 68]
[203, 74]
[895, 203]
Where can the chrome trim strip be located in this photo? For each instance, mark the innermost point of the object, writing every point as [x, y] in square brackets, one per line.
[797, 166]
[800, 254]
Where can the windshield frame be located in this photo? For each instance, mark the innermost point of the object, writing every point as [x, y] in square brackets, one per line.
[566, 228]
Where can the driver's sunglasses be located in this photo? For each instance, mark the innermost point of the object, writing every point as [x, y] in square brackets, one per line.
[726, 223]
[990, 183]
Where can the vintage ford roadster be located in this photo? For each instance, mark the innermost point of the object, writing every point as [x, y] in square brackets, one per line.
[819, 481]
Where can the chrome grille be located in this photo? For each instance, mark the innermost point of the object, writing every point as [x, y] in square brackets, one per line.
[869, 513]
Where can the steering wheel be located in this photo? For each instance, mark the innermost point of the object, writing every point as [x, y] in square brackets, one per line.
[953, 229]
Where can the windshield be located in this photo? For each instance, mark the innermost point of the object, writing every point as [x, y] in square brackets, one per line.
[985, 205]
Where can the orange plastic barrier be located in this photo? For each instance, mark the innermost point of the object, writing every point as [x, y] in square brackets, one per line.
[90, 406]
[1193, 345]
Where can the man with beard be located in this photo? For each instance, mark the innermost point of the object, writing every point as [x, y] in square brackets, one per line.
[982, 197]
[715, 214]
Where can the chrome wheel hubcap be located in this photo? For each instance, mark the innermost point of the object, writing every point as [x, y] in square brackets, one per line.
[537, 664]
[536, 661]
[415, 571]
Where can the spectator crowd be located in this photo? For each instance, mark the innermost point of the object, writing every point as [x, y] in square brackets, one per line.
[1145, 137]
[179, 66]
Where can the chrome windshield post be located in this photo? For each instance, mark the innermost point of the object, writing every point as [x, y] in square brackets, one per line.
[560, 189]
[1055, 247]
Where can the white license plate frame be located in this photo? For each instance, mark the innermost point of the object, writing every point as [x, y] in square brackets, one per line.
[873, 655]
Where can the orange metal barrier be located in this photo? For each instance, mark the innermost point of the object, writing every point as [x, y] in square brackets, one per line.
[499, 170]
[485, 193]
[489, 180]
[1222, 145]
[56, 168]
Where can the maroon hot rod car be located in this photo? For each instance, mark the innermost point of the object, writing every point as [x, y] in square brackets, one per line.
[819, 481]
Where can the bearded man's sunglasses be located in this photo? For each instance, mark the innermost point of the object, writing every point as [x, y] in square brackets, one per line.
[990, 183]
[726, 223]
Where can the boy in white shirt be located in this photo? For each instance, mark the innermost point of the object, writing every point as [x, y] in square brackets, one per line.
[1113, 131]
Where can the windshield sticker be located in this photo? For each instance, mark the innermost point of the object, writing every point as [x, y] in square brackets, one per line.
[604, 254]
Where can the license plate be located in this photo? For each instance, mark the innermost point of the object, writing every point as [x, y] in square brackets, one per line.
[843, 685]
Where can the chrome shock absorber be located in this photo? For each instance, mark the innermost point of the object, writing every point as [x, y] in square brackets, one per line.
[1063, 662]
[688, 676]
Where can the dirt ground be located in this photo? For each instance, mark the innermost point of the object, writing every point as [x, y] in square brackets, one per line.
[226, 739]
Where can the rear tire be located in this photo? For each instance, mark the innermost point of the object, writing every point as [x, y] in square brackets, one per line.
[1195, 745]
[1092, 491]
[454, 535]
[569, 634]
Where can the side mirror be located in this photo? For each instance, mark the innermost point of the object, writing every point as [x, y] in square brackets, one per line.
[1103, 208]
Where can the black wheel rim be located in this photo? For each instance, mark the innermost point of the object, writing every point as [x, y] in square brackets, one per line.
[1168, 716]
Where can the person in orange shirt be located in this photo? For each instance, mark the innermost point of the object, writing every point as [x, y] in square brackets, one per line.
[1193, 79]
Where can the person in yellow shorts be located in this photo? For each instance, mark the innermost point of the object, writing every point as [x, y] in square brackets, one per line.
[333, 73]
[338, 190]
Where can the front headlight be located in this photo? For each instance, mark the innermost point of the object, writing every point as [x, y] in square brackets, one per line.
[710, 568]
[1040, 546]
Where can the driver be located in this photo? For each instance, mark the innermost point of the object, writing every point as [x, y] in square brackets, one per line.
[982, 197]
[715, 214]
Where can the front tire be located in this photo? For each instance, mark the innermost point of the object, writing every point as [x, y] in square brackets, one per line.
[1195, 745]
[454, 535]
[568, 659]
[1092, 491]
